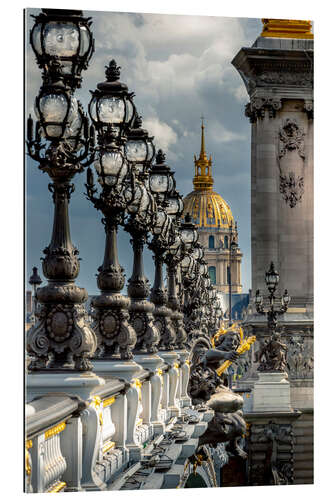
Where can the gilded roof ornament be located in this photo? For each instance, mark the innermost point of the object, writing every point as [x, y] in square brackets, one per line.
[207, 208]
[203, 179]
[287, 28]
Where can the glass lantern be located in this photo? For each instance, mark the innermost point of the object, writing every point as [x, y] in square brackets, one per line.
[161, 180]
[111, 167]
[285, 299]
[137, 198]
[272, 278]
[56, 110]
[197, 252]
[175, 205]
[189, 233]
[139, 147]
[162, 223]
[258, 298]
[63, 44]
[111, 108]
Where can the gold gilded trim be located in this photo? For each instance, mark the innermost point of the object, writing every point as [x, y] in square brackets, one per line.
[28, 444]
[287, 28]
[55, 430]
[96, 403]
[108, 446]
[58, 487]
[108, 402]
[27, 463]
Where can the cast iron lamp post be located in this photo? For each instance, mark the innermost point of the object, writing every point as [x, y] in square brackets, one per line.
[161, 183]
[61, 339]
[114, 333]
[34, 281]
[232, 252]
[173, 257]
[141, 218]
[272, 280]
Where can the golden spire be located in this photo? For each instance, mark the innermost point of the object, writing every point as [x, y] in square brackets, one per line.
[286, 28]
[203, 179]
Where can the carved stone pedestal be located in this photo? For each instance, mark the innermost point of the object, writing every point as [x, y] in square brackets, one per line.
[271, 393]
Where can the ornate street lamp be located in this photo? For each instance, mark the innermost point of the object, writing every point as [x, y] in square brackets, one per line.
[114, 333]
[111, 107]
[175, 205]
[139, 148]
[161, 180]
[61, 339]
[163, 237]
[63, 45]
[272, 313]
[161, 183]
[34, 280]
[111, 317]
[189, 233]
[232, 252]
[141, 218]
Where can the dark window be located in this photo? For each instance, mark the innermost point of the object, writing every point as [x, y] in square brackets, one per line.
[211, 243]
[228, 275]
[226, 242]
[212, 274]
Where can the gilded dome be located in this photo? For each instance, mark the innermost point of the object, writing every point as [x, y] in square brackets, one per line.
[206, 207]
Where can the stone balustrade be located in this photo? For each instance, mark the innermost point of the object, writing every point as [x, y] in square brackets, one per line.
[76, 443]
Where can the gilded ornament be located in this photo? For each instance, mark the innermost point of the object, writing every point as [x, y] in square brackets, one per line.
[58, 487]
[287, 28]
[108, 402]
[55, 430]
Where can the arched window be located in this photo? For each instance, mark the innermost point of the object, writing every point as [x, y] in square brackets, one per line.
[212, 274]
[211, 243]
[226, 242]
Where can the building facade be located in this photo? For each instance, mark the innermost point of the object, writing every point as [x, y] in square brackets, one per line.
[217, 228]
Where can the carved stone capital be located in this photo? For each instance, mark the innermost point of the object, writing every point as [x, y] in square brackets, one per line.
[257, 107]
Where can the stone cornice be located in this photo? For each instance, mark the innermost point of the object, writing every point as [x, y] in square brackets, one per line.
[281, 68]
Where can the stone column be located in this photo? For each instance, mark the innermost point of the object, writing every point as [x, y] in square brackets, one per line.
[278, 75]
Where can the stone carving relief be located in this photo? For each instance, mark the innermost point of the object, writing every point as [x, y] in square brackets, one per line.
[277, 466]
[300, 360]
[301, 79]
[291, 156]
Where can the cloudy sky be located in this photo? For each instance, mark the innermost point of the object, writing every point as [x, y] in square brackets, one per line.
[179, 68]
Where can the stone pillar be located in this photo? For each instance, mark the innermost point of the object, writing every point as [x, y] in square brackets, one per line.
[278, 75]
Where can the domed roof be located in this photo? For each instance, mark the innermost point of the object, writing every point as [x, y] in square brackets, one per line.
[206, 207]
